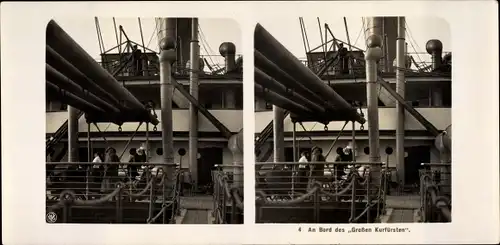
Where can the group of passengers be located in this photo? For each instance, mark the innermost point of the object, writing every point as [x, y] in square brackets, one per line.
[310, 166]
[107, 174]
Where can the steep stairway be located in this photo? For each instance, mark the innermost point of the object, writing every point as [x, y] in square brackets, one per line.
[196, 210]
[401, 209]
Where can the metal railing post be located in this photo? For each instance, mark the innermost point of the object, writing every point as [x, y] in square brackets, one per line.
[163, 203]
[316, 206]
[224, 210]
[368, 197]
[353, 201]
[151, 196]
[119, 207]
[233, 211]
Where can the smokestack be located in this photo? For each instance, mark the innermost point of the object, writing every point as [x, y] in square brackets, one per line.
[372, 56]
[193, 111]
[435, 48]
[167, 58]
[228, 51]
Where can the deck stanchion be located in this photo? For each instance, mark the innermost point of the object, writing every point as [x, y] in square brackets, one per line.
[151, 196]
[353, 198]
[368, 198]
[119, 209]
[316, 206]
[89, 151]
[163, 203]
[233, 211]
[224, 206]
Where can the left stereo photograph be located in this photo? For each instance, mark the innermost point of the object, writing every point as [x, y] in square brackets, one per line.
[144, 121]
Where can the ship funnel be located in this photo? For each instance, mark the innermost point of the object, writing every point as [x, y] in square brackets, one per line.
[228, 51]
[435, 48]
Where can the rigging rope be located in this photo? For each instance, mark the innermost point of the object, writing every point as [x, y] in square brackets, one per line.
[205, 45]
[153, 34]
[412, 41]
[305, 130]
[359, 33]
[116, 34]
[99, 35]
[142, 36]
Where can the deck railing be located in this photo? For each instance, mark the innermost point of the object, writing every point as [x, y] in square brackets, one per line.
[228, 194]
[320, 189]
[140, 196]
[435, 192]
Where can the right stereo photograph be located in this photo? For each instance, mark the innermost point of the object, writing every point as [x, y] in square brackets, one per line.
[353, 120]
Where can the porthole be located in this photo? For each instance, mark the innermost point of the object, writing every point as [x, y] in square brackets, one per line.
[389, 150]
[366, 150]
[181, 151]
[159, 151]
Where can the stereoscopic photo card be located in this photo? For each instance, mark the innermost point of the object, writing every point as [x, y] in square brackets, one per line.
[350, 122]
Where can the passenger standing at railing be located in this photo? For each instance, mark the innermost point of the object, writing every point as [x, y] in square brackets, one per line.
[344, 155]
[303, 170]
[142, 158]
[141, 155]
[132, 169]
[110, 170]
[137, 60]
[317, 171]
[97, 171]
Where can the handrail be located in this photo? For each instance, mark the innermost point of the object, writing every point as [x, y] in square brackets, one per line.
[374, 194]
[266, 133]
[223, 193]
[114, 163]
[68, 196]
[437, 202]
[325, 163]
[60, 133]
